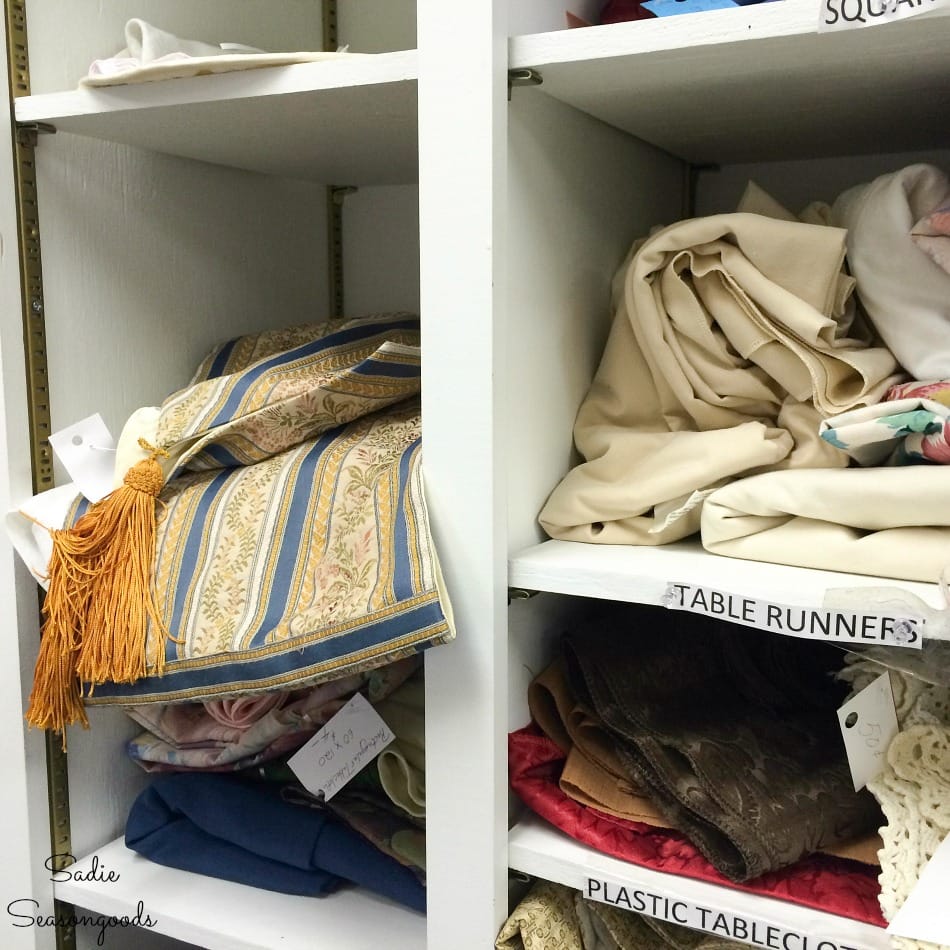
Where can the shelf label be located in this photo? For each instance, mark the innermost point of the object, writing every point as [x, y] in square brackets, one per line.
[810, 623]
[349, 741]
[726, 924]
[923, 916]
[868, 723]
[837, 15]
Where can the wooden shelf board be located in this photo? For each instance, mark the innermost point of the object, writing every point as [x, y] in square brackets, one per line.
[219, 915]
[639, 574]
[335, 122]
[536, 848]
[777, 90]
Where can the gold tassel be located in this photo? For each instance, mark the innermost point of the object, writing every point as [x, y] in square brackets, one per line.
[99, 601]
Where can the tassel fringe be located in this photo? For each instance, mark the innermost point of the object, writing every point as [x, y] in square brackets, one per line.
[99, 603]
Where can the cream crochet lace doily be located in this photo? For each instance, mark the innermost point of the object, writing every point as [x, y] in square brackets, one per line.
[914, 788]
[914, 791]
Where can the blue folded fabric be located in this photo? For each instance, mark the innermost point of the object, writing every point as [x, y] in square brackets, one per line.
[244, 832]
[663, 8]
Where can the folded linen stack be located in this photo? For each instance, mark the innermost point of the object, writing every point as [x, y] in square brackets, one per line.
[151, 54]
[737, 339]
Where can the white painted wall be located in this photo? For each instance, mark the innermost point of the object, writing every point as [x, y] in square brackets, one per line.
[798, 183]
[381, 250]
[374, 26]
[149, 260]
[579, 193]
[542, 16]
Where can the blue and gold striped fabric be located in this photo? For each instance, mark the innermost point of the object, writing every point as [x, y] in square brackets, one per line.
[293, 545]
[259, 401]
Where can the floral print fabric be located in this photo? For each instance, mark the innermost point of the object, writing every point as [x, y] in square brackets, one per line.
[932, 235]
[555, 917]
[220, 736]
[910, 426]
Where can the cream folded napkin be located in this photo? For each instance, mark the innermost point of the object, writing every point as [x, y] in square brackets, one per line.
[152, 54]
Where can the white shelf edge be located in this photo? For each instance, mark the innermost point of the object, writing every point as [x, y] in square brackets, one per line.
[220, 915]
[362, 70]
[536, 848]
[640, 574]
[785, 18]
[756, 22]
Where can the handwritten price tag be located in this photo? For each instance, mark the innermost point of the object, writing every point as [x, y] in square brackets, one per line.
[868, 724]
[347, 743]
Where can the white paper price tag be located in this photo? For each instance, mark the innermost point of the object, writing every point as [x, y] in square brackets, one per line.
[348, 742]
[868, 724]
[87, 451]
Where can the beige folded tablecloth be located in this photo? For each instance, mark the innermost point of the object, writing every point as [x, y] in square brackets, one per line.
[892, 522]
[733, 336]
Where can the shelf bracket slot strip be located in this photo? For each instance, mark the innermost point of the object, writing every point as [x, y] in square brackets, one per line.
[330, 36]
[34, 337]
[335, 285]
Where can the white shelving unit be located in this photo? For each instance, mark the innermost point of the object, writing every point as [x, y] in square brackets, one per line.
[179, 213]
[175, 215]
[754, 92]
[276, 121]
[662, 79]
[641, 575]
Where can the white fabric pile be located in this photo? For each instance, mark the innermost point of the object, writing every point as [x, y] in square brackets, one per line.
[152, 54]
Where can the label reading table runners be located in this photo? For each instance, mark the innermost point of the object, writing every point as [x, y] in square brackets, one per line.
[756, 932]
[810, 623]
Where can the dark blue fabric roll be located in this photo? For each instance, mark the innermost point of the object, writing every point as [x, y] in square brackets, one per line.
[224, 827]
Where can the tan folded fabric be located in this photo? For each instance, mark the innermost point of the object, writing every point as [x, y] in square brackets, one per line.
[592, 774]
[863, 849]
[550, 703]
[402, 764]
[592, 739]
[589, 785]
[892, 522]
[729, 343]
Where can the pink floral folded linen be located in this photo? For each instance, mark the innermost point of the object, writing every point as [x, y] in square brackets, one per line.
[226, 735]
[932, 235]
[243, 711]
